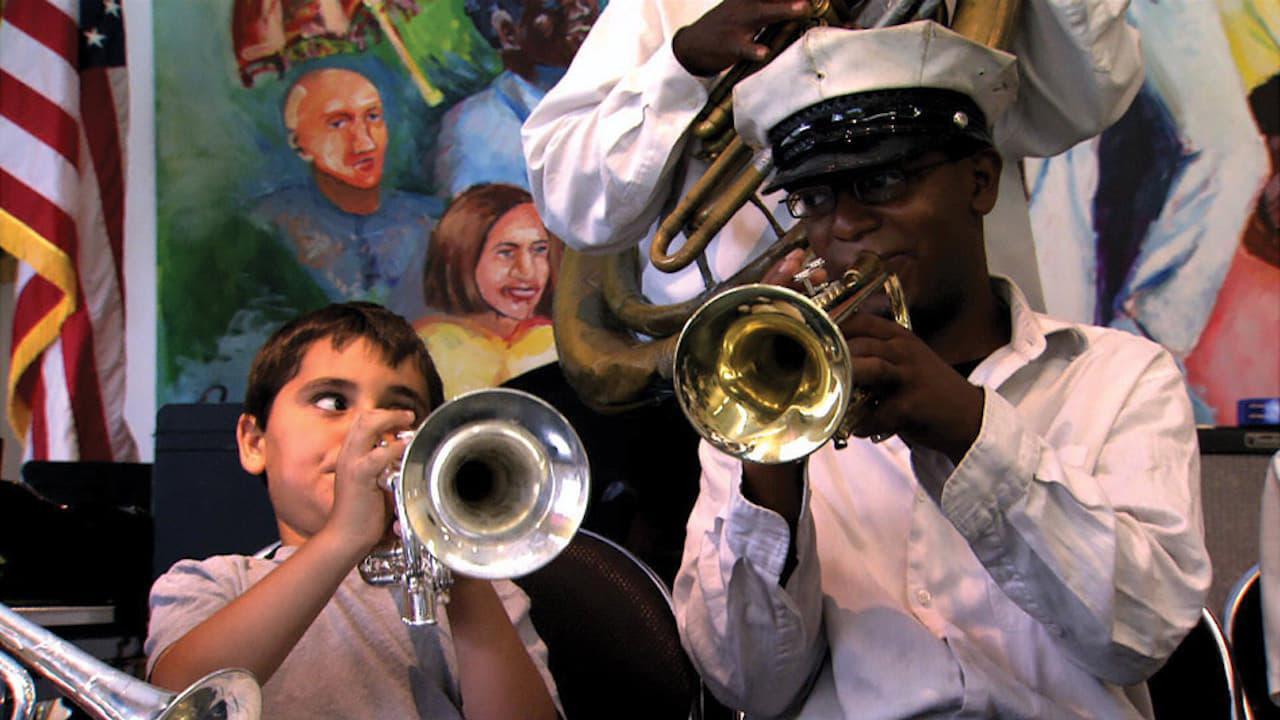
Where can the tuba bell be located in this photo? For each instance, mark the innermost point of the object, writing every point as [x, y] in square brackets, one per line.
[615, 346]
[763, 372]
[110, 694]
[493, 484]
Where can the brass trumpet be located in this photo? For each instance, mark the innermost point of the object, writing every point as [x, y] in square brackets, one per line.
[763, 372]
[493, 484]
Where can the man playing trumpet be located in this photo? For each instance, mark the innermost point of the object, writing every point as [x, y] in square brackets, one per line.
[1028, 540]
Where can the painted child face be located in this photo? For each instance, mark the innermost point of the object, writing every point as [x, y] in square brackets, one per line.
[309, 421]
[514, 265]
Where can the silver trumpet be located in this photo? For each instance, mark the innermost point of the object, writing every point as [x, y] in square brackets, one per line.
[492, 485]
[21, 691]
[110, 694]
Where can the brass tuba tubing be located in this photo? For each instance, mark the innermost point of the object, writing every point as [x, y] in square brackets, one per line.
[110, 694]
[493, 485]
[735, 172]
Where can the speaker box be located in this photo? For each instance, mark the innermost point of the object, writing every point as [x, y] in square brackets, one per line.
[1233, 465]
[203, 502]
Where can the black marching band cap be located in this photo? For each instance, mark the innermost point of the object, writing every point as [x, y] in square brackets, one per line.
[838, 100]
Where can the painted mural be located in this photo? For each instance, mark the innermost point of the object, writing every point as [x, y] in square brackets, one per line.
[1165, 225]
[318, 150]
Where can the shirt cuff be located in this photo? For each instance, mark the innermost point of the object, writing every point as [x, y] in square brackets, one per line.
[760, 535]
[994, 474]
[680, 94]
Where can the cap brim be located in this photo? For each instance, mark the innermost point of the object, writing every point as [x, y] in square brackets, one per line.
[889, 150]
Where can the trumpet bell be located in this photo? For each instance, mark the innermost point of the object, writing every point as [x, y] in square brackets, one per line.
[110, 694]
[219, 695]
[494, 484]
[763, 373]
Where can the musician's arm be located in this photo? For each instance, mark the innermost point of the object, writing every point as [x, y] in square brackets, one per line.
[753, 631]
[1095, 531]
[201, 620]
[602, 146]
[502, 669]
[1080, 65]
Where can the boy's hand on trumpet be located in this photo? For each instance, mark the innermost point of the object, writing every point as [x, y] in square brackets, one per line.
[362, 507]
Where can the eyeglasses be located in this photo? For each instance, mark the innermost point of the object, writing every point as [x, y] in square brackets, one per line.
[872, 188]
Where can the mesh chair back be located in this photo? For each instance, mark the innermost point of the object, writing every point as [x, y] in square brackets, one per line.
[1198, 680]
[611, 635]
[1244, 631]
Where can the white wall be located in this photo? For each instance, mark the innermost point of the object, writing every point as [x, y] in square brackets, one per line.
[140, 230]
[140, 256]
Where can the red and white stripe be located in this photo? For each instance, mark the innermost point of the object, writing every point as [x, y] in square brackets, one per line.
[61, 215]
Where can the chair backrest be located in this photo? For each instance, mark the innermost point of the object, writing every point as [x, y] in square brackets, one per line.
[611, 635]
[1198, 680]
[1243, 613]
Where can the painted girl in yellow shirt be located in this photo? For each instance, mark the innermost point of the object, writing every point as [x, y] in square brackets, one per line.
[491, 272]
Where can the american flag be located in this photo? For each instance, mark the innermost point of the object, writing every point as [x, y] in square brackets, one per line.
[63, 114]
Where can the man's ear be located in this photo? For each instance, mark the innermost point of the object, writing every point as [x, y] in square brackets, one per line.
[250, 440]
[293, 143]
[987, 165]
[505, 28]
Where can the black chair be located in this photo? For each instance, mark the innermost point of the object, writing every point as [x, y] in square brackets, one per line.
[611, 635]
[1198, 680]
[1243, 613]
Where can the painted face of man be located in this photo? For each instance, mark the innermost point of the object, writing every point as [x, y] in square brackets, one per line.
[339, 126]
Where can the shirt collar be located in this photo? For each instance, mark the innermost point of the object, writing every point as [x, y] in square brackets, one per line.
[1031, 335]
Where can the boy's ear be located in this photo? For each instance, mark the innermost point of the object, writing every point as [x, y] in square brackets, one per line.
[987, 165]
[250, 440]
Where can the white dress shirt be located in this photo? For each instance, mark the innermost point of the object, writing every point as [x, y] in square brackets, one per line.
[603, 148]
[1063, 562]
[1269, 579]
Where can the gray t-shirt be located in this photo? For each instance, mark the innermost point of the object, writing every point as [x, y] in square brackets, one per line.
[357, 660]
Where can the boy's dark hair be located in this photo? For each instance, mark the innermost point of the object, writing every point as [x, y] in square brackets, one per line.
[279, 358]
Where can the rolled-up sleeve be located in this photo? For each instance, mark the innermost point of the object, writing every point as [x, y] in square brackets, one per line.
[1080, 65]
[1101, 542]
[737, 622]
[602, 146]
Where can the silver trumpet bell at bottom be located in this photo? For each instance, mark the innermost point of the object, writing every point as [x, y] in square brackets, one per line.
[110, 694]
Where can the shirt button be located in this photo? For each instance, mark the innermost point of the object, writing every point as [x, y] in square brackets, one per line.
[924, 598]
